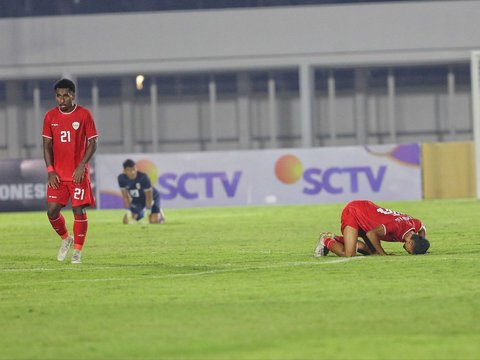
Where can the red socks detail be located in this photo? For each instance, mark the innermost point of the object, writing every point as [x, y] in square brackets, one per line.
[328, 243]
[80, 226]
[58, 225]
[339, 239]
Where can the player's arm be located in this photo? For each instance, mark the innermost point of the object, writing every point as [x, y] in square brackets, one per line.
[80, 170]
[368, 248]
[423, 231]
[148, 198]
[53, 179]
[126, 204]
[374, 238]
[126, 198]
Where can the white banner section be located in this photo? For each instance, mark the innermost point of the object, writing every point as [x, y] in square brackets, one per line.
[285, 176]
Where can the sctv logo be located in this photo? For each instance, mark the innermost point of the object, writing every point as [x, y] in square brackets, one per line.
[194, 185]
[191, 185]
[334, 180]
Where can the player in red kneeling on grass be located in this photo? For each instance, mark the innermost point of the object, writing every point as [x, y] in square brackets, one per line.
[366, 220]
[69, 142]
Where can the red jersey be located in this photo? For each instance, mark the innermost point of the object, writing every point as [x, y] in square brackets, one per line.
[70, 133]
[366, 215]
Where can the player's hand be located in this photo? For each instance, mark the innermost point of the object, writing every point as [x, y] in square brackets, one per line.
[53, 180]
[78, 174]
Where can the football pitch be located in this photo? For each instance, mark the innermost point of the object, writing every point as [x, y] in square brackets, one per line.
[239, 283]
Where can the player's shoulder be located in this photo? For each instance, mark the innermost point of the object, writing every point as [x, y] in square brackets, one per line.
[82, 110]
[143, 179]
[52, 112]
[141, 175]
[417, 223]
[122, 178]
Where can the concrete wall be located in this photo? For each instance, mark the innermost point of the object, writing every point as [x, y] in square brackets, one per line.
[200, 40]
[245, 40]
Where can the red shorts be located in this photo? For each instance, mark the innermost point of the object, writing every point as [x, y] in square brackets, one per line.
[349, 217]
[81, 194]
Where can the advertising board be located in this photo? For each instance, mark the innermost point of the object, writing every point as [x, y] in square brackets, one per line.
[284, 176]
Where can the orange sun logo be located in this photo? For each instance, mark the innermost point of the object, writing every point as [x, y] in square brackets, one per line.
[288, 169]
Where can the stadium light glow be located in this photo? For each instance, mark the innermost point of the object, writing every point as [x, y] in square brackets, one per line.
[139, 81]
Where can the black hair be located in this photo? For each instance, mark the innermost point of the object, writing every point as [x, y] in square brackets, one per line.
[128, 163]
[65, 84]
[420, 244]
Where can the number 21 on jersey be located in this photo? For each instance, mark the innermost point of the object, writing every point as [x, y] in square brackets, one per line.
[388, 212]
[65, 136]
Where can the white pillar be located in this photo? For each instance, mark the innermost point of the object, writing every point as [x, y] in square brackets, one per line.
[475, 85]
[14, 142]
[37, 121]
[391, 106]
[451, 103]
[95, 100]
[331, 107]
[154, 112]
[212, 96]
[360, 106]
[243, 105]
[272, 112]
[306, 104]
[94, 94]
[127, 114]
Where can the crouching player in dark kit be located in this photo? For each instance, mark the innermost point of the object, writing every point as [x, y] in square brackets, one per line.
[139, 196]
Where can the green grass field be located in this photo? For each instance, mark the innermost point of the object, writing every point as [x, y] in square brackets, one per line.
[239, 283]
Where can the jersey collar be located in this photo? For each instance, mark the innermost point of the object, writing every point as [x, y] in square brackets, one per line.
[66, 113]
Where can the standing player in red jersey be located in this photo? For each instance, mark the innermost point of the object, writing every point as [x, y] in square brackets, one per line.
[69, 142]
[372, 223]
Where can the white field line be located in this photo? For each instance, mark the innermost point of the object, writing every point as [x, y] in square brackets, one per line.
[84, 268]
[190, 274]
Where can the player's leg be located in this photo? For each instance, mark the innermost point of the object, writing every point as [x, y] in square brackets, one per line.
[349, 226]
[156, 218]
[368, 245]
[350, 236]
[336, 245]
[321, 249]
[56, 200]
[127, 217]
[156, 215]
[363, 249]
[56, 219]
[131, 215]
[80, 227]
[137, 211]
[82, 197]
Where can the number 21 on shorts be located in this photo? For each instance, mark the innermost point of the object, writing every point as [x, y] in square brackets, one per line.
[78, 194]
